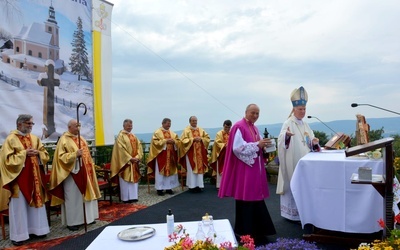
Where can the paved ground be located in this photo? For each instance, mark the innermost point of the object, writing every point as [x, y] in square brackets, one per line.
[57, 230]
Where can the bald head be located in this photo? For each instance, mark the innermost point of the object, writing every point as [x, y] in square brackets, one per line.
[252, 105]
[73, 126]
[252, 113]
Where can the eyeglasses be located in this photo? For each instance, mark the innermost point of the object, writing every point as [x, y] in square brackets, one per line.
[29, 123]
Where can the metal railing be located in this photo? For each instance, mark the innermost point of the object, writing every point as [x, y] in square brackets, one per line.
[102, 154]
[10, 80]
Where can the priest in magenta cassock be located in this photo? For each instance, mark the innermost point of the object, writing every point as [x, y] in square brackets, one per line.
[244, 178]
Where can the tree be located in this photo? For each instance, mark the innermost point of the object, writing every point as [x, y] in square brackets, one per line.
[79, 60]
[396, 145]
[5, 35]
[323, 138]
[375, 134]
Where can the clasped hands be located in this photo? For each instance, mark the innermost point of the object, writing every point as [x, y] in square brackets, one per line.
[170, 141]
[198, 139]
[32, 152]
[134, 160]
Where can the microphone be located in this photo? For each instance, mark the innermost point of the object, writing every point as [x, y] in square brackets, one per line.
[324, 124]
[357, 104]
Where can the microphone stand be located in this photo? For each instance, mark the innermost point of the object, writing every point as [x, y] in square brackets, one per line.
[345, 139]
[356, 105]
[324, 124]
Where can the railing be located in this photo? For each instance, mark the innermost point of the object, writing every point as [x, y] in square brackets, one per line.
[102, 154]
[67, 103]
[10, 80]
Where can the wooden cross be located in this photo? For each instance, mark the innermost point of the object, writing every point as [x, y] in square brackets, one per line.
[48, 99]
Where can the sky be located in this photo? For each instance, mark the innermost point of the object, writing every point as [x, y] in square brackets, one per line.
[212, 58]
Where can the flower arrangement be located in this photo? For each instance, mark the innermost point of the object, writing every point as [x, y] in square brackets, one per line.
[184, 242]
[392, 242]
[376, 154]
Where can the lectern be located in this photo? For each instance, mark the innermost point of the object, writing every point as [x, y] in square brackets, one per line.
[385, 188]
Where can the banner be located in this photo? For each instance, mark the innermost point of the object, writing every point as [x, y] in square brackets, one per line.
[102, 62]
[47, 69]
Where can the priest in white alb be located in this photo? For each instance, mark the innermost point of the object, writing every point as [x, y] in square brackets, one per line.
[295, 140]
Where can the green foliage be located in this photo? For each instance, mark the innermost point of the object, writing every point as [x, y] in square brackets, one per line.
[103, 154]
[396, 145]
[51, 155]
[323, 138]
[353, 141]
[373, 135]
[376, 134]
[146, 149]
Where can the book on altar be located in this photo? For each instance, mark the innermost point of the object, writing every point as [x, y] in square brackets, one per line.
[338, 141]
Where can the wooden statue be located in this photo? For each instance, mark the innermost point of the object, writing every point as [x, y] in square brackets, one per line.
[362, 130]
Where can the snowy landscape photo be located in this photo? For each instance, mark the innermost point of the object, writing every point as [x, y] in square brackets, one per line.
[46, 66]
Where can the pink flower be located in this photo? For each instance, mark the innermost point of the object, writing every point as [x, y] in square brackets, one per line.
[172, 237]
[209, 240]
[226, 245]
[186, 243]
[247, 242]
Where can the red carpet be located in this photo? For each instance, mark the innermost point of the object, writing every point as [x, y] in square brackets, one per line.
[107, 213]
[115, 211]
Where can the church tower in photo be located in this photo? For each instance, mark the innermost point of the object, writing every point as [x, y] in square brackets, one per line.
[52, 28]
[37, 43]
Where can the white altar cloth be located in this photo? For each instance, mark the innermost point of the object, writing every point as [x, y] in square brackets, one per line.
[108, 239]
[325, 197]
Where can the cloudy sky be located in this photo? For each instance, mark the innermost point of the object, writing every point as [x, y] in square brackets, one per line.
[211, 58]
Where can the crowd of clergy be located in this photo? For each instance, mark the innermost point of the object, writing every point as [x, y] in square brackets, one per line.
[72, 183]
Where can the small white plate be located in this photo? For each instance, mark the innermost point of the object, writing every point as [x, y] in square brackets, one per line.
[136, 233]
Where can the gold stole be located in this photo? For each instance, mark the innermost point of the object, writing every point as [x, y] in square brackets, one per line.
[197, 164]
[221, 158]
[134, 166]
[225, 135]
[87, 164]
[167, 161]
[31, 172]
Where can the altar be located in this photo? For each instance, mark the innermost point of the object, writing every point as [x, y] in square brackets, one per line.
[108, 238]
[326, 198]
